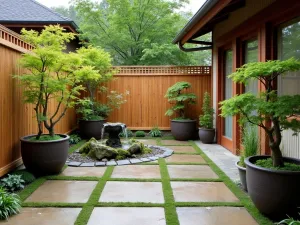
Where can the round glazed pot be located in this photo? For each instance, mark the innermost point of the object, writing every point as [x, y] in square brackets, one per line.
[183, 130]
[44, 157]
[242, 173]
[91, 128]
[207, 136]
[275, 193]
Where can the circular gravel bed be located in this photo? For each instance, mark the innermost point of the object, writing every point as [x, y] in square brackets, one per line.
[76, 159]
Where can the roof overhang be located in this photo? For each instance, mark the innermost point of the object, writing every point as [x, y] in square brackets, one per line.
[211, 13]
[66, 24]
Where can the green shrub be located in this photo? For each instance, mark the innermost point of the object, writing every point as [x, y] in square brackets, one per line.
[25, 175]
[74, 139]
[155, 132]
[140, 133]
[129, 133]
[267, 163]
[180, 99]
[12, 183]
[10, 204]
[250, 142]
[289, 221]
[207, 118]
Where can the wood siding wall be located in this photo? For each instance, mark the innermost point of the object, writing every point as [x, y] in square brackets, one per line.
[146, 105]
[17, 119]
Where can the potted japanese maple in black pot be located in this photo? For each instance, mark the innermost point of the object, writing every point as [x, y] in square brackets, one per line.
[206, 130]
[51, 78]
[98, 70]
[250, 142]
[273, 182]
[182, 128]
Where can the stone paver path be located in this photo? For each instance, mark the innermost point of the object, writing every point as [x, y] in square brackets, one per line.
[180, 190]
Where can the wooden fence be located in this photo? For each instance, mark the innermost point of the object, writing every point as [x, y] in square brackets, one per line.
[16, 118]
[146, 105]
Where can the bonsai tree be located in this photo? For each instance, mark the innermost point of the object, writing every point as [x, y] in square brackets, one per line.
[52, 75]
[179, 99]
[273, 113]
[207, 118]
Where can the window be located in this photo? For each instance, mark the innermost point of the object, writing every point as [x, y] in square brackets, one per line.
[251, 55]
[289, 46]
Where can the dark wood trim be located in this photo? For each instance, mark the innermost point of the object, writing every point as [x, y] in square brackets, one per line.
[205, 19]
[25, 25]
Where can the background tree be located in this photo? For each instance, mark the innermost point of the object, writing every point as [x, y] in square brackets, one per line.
[69, 12]
[136, 31]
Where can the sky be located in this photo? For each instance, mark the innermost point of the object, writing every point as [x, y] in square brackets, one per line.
[193, 6]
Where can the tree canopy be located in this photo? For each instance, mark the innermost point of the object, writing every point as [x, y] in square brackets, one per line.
[135, 32]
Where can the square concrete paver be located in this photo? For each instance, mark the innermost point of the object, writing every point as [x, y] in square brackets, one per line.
[177, 158]
[185, 149]
[115, 191]
[202, 192]
[127, 216]
[44, 216]
[191, 171]
[175, 142]
[63, 191]
[214, 216]
[148, 142]
[136, 171]
[84, 171]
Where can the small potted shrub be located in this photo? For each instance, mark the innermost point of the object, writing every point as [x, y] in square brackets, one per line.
[98, 70]
[51, 77]
[250, 144]
[182, 128]
[273, 182]
[206, 130]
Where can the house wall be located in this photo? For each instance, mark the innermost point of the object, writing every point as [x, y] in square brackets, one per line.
[258, 19]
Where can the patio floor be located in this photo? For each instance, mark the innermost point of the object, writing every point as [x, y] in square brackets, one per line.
[184, 189]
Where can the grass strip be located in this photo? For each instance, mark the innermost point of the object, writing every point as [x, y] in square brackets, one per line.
[136, 179]
[25, 193]
[72, 178]
[87, 209]
[52, 204]
[245, 200]
[129, 204]
[170, 208]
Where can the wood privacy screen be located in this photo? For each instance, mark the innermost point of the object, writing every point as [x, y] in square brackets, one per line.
[146, 105]
[16, 118]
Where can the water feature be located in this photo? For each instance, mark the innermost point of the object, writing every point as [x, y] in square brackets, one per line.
[113, 130]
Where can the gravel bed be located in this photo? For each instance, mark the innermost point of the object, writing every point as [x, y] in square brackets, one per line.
[77, 157]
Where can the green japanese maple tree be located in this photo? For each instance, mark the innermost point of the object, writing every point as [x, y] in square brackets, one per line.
[51, 75]
[273, 113]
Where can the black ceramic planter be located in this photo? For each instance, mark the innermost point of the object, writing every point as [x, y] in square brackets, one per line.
[207, 136]
[44, 157]
[183, 130]
[275, 193]
[242, 173]
[91, 128]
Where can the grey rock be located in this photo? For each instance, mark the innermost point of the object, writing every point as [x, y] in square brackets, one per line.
[100, 164]
[74, 163]
[145, 159]
[111, 163]
[123, 162]
[133, 161]
[153, 158]
[104, 160]
[87, 164]
[135, 148]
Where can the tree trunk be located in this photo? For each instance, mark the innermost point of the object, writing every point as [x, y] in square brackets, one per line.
[277, 156]
[51, 131]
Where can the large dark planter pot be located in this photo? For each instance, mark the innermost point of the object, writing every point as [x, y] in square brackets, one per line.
[275, 193]
[207, 136]
[242, 173]
[183, 130]
[91, 128]
[44, 157]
